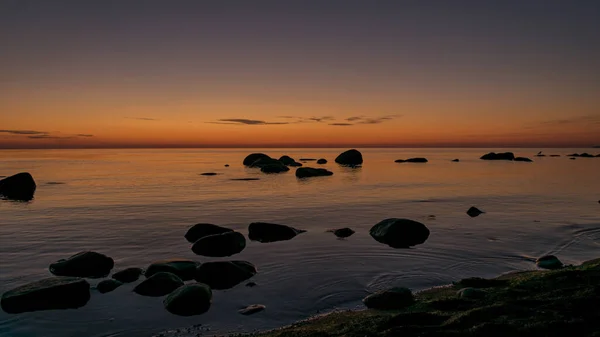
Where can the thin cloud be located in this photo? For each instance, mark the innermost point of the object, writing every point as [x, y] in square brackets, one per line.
[142, 118]
[321, 119]
[49, 137]
[243, 121]
[288, 117]
[24, 132]
[377, 120]
[354, 119]
[587, 119]
[341, 124]
[84, 135]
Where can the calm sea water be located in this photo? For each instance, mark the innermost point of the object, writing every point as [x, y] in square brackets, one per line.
[136, 205]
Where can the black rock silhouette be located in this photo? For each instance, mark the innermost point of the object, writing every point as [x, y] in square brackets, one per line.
[474, 212]
[20, 186]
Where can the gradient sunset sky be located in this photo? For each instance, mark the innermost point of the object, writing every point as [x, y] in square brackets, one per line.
[115, 73]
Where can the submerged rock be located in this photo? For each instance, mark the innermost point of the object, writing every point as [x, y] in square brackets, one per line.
[107, 286]
[350, 158]
[307, 159]
[128, 275]
[474, 212]
[523, 159]
[343, 232]
[252, 309]
[391, 299]
[549, 262]
[47, 294]
[269, 165]
[306, 172]
[20, 186]
[209, 174]
[498, 156]
[83, 264]
[226, 165]
[583, 155]
[276, 168]
[555, 155]
[189, 300]
[400, 233]
[220, 245]
[251, 158]
[412, 160]
[322, 161]
[184, 269]
[201, 230]
[159, 284]
[455, 160]
[269, 232]
[224, 274]
[245, 179]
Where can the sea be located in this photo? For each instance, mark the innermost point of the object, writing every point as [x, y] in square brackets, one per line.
[135, 205]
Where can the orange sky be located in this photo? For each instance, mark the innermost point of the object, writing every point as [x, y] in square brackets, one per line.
[265, 78]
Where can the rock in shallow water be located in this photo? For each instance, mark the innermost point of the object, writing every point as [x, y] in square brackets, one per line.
[201, 230]
[400, 233]
[189, 300]
[474, 212]
[350, 158]
[159, 284]
[498, 156]
[224, 274]
[412, 160]
[220, 245]
[252, 309]
[128, 275]
[83, 264]
[306, 172]
[47, 294]
[20, 186]
[322, 161]
[251, 158]
[343, 232]
[184, 269]
[107, 286]
[549, 262]
[269, 232]
[391, 299]
[289, 161]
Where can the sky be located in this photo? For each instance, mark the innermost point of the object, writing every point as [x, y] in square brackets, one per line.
[299, 73]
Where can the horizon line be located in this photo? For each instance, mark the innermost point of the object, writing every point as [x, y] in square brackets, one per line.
[126, 147]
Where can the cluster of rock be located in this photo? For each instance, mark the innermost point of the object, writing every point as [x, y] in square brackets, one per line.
[504, 156]
[271, 165]
[583, 155]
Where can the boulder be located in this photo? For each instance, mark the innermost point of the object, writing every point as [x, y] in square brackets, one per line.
[471, 293]
[400, 233]
[276, 168]
[184, 269]
[523, 159]
[269, 165]
[412, 160]
[83, 264]
[289, 161]
[251, 158]
[128, 275]
[220, 245]
[224, 274]
[343, 232]
[106, 286]
[47, 294]
[252, 309]
[189, 300]
[20, 187]
[201, 230]
[322, 161]
[350, 158]
[392, 299]
[455, 160]
[159, 284]
[498, 156]
[474, 212]
[208, 174]
[226, 165]
[306, 172]
[549, 262]
[269, 232]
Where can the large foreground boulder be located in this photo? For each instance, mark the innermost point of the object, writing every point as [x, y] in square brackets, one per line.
[159, 284]
[350, 158]
[412, 160]
[306, 172]
[184, 269]
[549, 262]
[189, 300]
[224, 274]
[201, 230]
[400, 233]
[20, 187]
[270, 232]
[83, 264]
[47, 294]
[220, 245]
[498, 156]
[391, 299]
[128, 275]
[251, 158]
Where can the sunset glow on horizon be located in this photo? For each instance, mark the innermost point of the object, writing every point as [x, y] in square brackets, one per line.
[299, 74]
